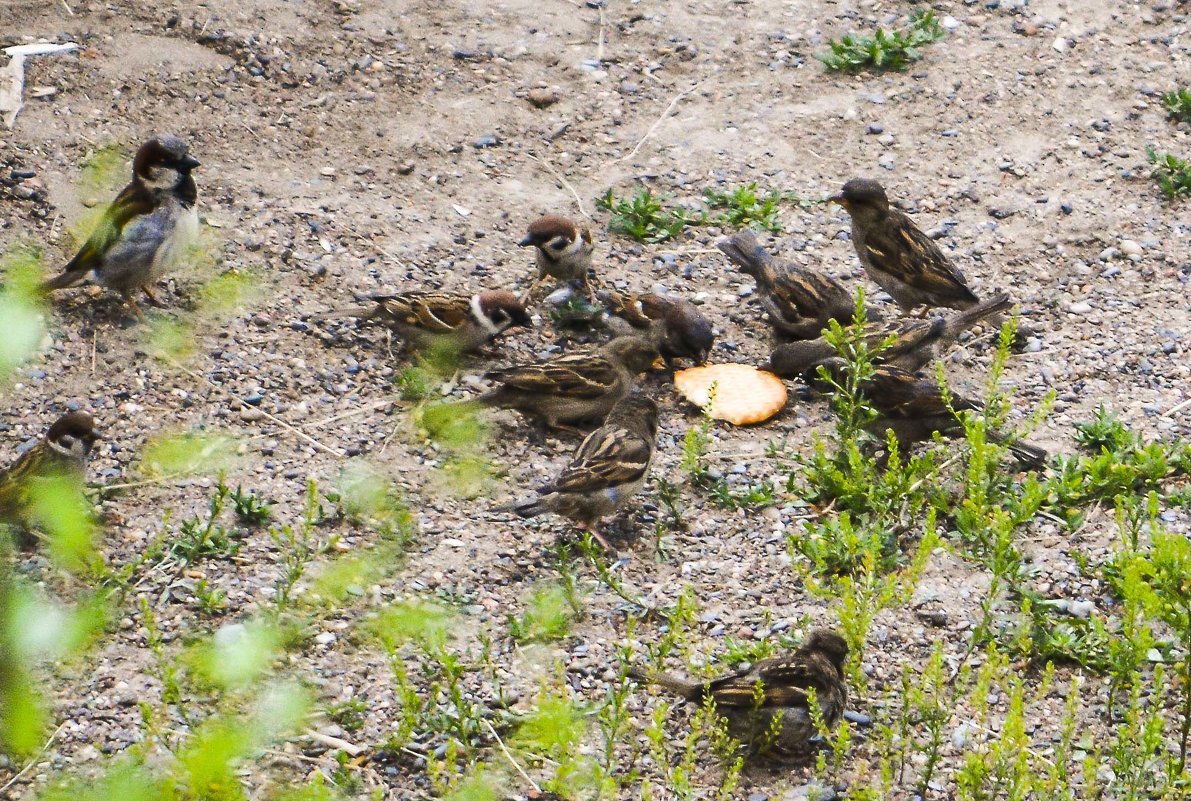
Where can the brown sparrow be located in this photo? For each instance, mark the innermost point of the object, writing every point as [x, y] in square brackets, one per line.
[800, 301]
[579, 386]
[914, 408]
[915, 341]
[755, 698]
[456, 320]
[563, 250]
[63, 452]
[676, 325]
[608, 468]
[905, 262]
[146, 230]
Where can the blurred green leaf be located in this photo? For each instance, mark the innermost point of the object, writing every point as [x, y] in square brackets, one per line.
[22, 328]
[58, 507]
[412, 621]
[239, 653]
[188, 454]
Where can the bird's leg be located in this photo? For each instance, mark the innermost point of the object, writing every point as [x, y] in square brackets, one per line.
[136, 310]
[596, 535]
[152, 298]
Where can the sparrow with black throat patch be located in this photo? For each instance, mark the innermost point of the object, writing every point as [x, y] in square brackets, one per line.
[563, 251]
[460, 321]
[676, 326]
[914, 408]
[61, 454]
[767, 704]
[148, 228]
[800, 301]
[905, 262]
[608, 468]
[576, 387]
[914, 341]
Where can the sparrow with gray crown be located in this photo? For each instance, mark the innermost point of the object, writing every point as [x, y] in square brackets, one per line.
[576, 387]
[148, 228]
[905, 262]
[800, 301]
[677, 326]
[767, 704]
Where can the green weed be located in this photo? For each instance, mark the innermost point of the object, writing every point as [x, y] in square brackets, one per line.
[1172, 173]
[1178, 104]
[884, 50]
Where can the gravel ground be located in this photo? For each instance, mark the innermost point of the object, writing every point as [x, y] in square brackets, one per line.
[360, 145]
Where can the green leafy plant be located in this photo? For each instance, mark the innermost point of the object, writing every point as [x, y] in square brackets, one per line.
[1172, 173]
[645, 218]
[889, 50]
[743, 206]
[1178, 104]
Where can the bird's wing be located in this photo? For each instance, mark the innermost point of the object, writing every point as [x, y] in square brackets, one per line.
[577, 375]
[436, 312]
[784, 681]
[903, 251]
[610, 456]
[130, 205]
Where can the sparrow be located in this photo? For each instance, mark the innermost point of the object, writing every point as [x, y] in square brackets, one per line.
[905, 262]
[146, 230]
[914, 341]
[755, 698]
[800, 301]
[607, 469]
[457, 320]
[63, 452]
[914, 408]
[578, 386]
[563, 250]
[676, 326]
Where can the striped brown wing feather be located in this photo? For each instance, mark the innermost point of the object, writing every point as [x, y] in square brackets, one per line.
[608, 457]
[579, 375]
[903, 251]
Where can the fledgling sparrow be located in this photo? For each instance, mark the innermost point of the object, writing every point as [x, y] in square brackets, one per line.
[774, 688]
[562, 250]
[914, 408]
[800, 301]
[579, 386]
[905, 262]
[607, 469]
[62, 453]
[915, 341]
[677, 326]
[146, 230]
[436, 318]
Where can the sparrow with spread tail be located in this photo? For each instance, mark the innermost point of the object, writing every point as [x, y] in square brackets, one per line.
[146, 230]
[63, 452]
[914, 408]
[563, 250]
[580, 386]
[767, 704]
[905, 262]
[607, 469]
[676, 326]
[800, 301]
[914, 341]
[426, 319]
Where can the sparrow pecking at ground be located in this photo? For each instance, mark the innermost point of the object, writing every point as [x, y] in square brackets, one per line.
[146, 230]
[905, 262]
[800, 301]
[429, 319]
[914, 408]
[607, 469]
[914, 341]
[563, 250]
[580, 386]
[63, 452]
[677, 326]
[774, 691]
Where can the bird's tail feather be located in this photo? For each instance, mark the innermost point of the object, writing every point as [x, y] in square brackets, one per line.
[361, 312]
[742, 249]
[66, 279]
[961, 321]
[1032, 455]
[689, 690]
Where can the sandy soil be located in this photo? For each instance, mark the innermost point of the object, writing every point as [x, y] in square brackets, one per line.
[365, 144]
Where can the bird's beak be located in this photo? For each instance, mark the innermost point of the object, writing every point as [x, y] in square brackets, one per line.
[188, 163]
[840, 199]
[526, 242]
[658, 364]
